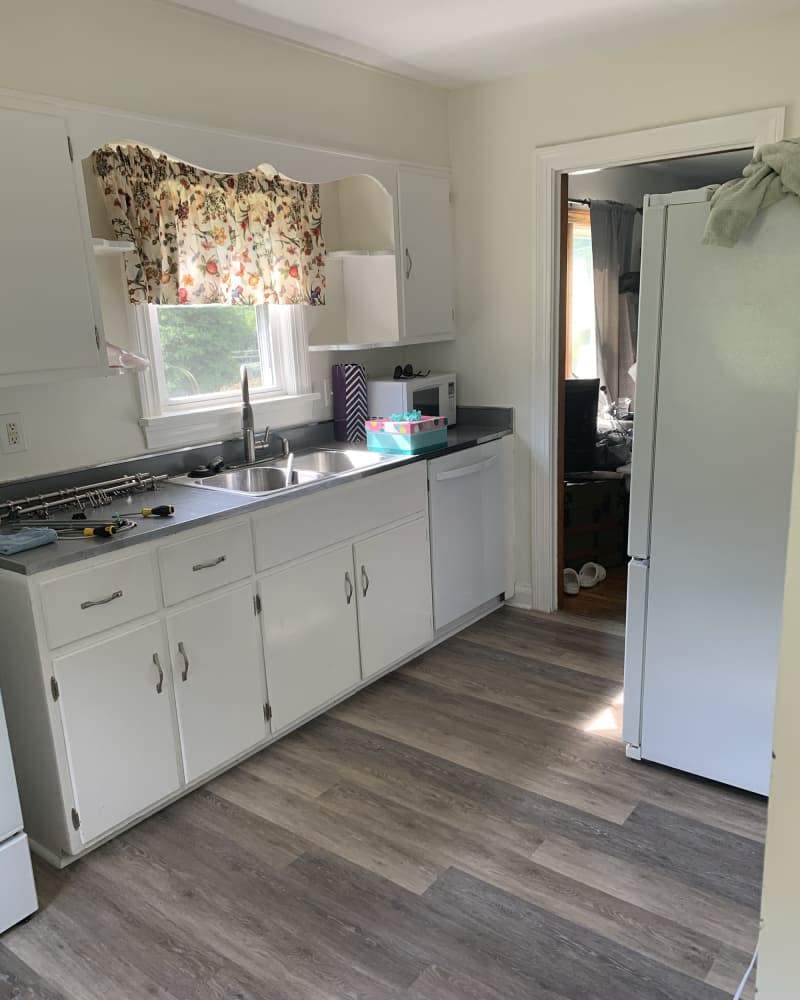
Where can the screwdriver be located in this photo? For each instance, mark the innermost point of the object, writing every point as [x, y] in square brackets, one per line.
[164, 510]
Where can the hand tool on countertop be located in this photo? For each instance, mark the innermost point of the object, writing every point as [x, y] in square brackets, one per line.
[163, 510]
[77, 527]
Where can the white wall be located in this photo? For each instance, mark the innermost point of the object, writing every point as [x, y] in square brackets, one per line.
[494, 129]
[155, 59]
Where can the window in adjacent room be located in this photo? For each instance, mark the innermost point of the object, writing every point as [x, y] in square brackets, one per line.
[581, 347]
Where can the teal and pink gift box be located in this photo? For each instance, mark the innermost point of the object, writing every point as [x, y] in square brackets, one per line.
[407, 433]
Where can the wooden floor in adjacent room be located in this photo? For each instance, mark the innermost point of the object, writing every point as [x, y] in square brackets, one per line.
[466, 829]
[603, 603]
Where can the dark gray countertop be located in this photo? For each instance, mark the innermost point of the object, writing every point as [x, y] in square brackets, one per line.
[195, 506]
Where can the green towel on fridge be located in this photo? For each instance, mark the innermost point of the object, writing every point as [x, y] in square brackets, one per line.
[773, 173]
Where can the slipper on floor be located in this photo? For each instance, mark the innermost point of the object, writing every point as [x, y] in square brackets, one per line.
[572, 584]
[591, 574]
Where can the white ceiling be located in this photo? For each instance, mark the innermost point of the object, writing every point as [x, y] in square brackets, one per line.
[453, 42]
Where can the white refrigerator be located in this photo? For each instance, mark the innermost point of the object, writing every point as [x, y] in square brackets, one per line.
[716, 400]
[17, 890]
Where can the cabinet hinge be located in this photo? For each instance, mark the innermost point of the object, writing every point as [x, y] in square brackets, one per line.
[69, 149]
[453, 313]
[97, 337]
[267, 711]
[76, 819]
[257, 604]
[54, 688]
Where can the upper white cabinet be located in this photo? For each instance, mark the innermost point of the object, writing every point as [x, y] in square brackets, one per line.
[389, 270]
[49, 327]
[426, 253]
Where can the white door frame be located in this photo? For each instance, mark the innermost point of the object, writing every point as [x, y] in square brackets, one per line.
[711, 135]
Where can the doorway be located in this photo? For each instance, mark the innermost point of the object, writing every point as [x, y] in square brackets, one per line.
[601, 243]
[710, 135]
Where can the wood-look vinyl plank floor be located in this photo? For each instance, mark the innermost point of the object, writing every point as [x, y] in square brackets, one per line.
[468, 828]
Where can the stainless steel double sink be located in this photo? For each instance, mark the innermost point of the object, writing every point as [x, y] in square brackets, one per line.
[308, 467]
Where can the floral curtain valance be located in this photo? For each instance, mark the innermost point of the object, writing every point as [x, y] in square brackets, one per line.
[201, 237]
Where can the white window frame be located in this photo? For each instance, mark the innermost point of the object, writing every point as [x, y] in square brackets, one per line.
[203, 401]
[213, 417]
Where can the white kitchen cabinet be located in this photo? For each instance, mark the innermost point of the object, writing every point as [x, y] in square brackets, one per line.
[468, 514]
[426, 253]
[393, 580]
[118, 723]
[390, 263]
[310, 634]
[50, 328]
[218, 673]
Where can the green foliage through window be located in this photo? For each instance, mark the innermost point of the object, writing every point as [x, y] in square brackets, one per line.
[203, 348]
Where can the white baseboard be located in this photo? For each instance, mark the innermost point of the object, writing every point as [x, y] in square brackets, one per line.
[523, 597]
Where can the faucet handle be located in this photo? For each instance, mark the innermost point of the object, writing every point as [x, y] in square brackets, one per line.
[266, 436]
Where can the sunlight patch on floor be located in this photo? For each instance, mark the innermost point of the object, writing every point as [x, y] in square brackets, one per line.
[608, 722]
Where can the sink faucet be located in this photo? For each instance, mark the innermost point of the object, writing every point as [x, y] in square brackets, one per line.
[248, 426]
[286, 452]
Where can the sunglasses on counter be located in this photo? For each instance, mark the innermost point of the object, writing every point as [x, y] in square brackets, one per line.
[407, 371]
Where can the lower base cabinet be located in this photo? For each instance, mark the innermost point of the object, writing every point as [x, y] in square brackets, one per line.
[393, 578]
[310, 634]
[119, 728]
[218, 675]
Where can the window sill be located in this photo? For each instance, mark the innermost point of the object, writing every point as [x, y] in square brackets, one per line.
[191, 427]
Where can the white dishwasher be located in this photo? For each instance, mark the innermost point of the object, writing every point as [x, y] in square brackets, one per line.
[468, 530]
[17, 890]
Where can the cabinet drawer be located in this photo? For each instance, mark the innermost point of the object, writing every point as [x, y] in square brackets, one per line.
[98, 598]
[294, 529]
[205, 562]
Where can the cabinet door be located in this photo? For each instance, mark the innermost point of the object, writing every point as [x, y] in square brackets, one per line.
[393, 577]
[218, 674]
[310, 634]
[118, 727]
[48, 318]
[426, 253]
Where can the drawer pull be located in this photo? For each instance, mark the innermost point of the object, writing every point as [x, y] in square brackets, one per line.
[185, 671]
[101, 600]
[157, 662]
[364, 581]
[348, 587]
[208, 565]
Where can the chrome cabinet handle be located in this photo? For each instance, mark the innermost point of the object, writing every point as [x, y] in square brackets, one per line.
[364, 582]
[348, 587]
[160, 685]
[409, 264]
[101, 600]
[185, 671]
[208, 565]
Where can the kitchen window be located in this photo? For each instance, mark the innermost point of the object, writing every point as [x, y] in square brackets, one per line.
[192, 390]
[199, 350]
[581, 345]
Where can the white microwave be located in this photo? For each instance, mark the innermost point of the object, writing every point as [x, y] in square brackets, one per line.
[433, 395]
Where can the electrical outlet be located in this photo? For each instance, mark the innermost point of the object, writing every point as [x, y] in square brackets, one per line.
[12, 433]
